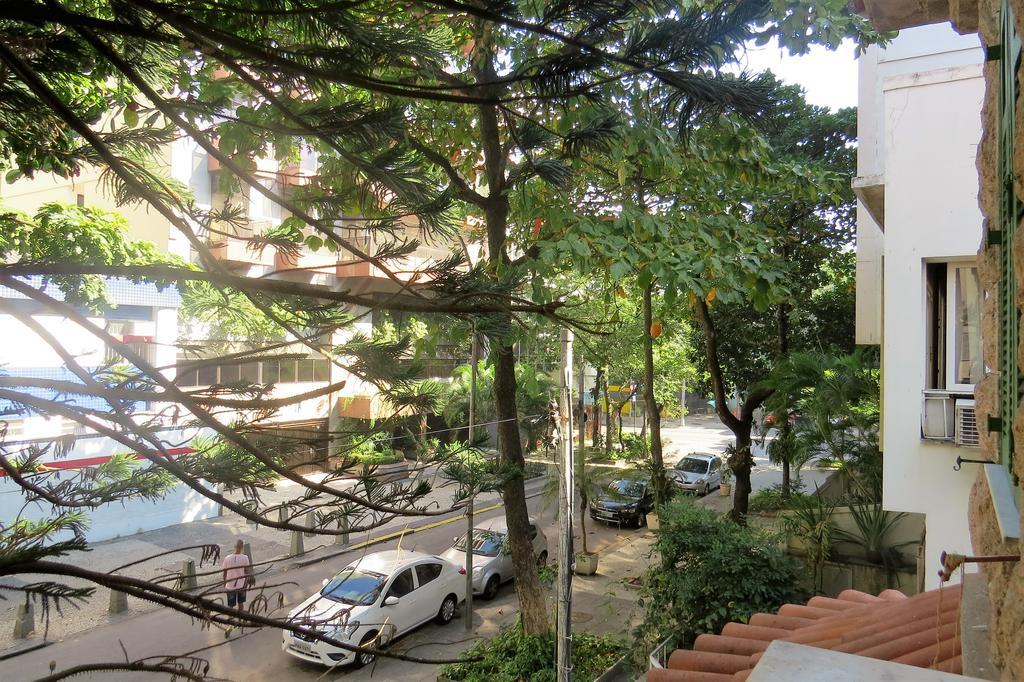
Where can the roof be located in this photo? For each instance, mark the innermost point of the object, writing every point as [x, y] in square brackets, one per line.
[385, 562]
[921, 631]
[700, 455]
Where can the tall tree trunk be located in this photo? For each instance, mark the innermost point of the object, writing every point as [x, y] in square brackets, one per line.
[607, 418]
[658, 479]
[740, 460]
[532, 609]
[784, 427]
[595, 428]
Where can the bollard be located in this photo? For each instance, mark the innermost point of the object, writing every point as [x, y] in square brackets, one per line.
[282, 514]
[310, 524]
[296, 548]
[24, 621]
[342, 539]
[118, 602]
[247, 551]
[187, 578]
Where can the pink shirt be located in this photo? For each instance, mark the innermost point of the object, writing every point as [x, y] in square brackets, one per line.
[235, 566]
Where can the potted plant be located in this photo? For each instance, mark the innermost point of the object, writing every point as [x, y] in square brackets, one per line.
[725, 489]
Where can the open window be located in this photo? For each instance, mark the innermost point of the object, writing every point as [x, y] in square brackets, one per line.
[953, 355]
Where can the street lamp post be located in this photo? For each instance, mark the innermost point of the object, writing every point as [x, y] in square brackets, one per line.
[474, 360]
[566, 497]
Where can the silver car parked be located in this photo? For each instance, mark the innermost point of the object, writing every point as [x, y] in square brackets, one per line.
[492, 564]
[697, 472]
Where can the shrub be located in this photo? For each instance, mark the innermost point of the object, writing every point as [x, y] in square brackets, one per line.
[770, 499]
[711, 572]
[373, 458]
[634, 447]
[513, 657]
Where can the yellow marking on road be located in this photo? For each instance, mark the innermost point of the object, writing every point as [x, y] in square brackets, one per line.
[409, 531]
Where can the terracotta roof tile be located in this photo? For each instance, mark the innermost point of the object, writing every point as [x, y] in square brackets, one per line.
[769, 620]
[921, 630]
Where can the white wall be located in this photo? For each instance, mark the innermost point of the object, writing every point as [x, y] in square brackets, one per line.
[180, 505]
[928, 91]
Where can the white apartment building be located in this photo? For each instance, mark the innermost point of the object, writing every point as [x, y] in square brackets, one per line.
[918, 291]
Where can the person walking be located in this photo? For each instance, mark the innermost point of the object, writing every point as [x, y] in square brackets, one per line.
[236, 568]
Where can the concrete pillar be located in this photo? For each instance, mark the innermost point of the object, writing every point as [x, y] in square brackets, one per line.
[24, 621]
[247, 551]
[296, 546]
[342, 539]
[282, 514]
[310, 523]
[187, 577]
[118, 602]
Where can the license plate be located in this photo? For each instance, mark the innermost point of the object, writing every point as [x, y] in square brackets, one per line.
[299, 645]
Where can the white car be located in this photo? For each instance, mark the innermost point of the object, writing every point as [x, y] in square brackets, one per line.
[697, 472]
[492, 564]
[374, 600]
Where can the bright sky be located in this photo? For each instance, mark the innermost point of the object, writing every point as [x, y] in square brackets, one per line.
[829, 78]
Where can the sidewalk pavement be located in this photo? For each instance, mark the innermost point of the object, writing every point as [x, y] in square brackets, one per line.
[603, 604]
[265, 544]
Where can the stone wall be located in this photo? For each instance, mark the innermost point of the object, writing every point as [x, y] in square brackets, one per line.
[1005, 580]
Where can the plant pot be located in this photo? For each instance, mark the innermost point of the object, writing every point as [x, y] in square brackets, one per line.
[725, 490]
[586, 564]
[652, 521]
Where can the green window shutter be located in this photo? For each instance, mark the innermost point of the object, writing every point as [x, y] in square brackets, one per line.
[1010, 383]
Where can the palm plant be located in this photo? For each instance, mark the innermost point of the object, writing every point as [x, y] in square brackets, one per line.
[874, 525]
[810, 520]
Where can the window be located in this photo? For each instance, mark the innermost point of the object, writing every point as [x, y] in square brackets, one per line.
[271, 371]
[207, 375]
[321, 370]
[427, 572]
[229, 374]
[261, 207]
[401, 585]
[287, 371]
[305, 370]
[953, 312]
[250, 372]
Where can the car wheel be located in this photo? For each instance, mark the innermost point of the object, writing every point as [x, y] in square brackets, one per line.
[707, 489]
[542, 559]
[491, 588]
[641, 520]
[447, 610]
[364, 658]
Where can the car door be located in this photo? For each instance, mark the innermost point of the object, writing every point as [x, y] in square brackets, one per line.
[403, 614]
[503, 562]
[715, 479]
[430, 590]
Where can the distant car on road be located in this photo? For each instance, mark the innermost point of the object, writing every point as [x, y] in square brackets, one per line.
[492, 564]
[374, 600]
[624, 502]
[697, 472]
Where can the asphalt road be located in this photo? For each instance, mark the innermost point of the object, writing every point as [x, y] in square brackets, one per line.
[257, 655]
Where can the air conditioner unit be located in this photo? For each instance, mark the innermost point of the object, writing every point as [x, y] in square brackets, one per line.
[966, 423]
[937, 416]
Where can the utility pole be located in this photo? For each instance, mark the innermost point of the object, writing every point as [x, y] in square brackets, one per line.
[583, 410]
[682, 405]
[566, 502]
[474, 361]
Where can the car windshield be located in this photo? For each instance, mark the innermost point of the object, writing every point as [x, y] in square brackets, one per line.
[626, 488]
[354, 586]
[485, 542]
[692, 465]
